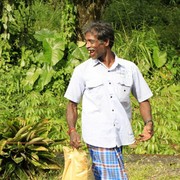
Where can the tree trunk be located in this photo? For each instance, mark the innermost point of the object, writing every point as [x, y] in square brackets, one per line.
[88, 10]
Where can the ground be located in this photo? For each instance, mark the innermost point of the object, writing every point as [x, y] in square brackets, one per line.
[146, 167]
[152, 167]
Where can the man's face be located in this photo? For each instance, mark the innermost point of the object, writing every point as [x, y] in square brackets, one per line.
[96, 48]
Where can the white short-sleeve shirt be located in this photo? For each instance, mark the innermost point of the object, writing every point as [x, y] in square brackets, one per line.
[105, 94]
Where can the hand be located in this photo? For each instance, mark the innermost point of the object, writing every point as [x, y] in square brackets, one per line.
[147, 132]
[75, 139]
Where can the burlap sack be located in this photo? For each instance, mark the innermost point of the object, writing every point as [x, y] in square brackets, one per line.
[77, 165]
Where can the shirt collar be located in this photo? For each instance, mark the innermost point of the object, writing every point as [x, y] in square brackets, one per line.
[118, 61]
[95, 62]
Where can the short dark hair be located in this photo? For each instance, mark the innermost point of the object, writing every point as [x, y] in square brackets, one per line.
[103, 31]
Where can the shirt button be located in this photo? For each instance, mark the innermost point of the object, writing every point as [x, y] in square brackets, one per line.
[109, 82]
[110, 96]
[113, 110]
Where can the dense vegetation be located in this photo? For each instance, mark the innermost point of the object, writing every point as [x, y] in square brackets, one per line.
[39, 49]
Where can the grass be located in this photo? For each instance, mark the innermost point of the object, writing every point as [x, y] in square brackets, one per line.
[146, 167]
[138, 167]
[155, 172]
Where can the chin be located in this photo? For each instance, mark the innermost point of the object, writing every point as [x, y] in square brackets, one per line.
[92, 57]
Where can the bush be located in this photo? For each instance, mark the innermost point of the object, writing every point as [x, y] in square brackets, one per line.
[25, 149]
[163, 17]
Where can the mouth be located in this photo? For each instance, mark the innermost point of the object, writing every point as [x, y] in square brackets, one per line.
[91, 52]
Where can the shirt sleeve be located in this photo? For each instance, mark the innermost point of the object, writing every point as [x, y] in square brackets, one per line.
[75, 88]
[140, 88]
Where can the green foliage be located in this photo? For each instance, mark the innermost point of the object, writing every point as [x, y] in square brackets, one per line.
[4, 37]
[17, 31]
[54, 46]
[25, 149]
[165, 108]
[11, 92]
[38, 52]
[57, 56]
[47, 14]
[35, 88]
[56, 15]
[159, 57]
[20, 20]
[163, 16]
[142, 48]
[69, 20]
[35, 69]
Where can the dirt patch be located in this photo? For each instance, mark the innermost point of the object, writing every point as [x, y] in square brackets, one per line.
[152, 159]
[152, 167]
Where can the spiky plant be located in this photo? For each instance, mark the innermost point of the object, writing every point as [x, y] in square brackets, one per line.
[25, 149]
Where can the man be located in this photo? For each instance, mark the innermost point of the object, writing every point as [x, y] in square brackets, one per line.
[104, 83]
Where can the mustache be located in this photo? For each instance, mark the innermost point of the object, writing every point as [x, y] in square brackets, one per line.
[90, 49]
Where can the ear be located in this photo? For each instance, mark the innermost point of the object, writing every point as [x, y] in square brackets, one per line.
[106, 42]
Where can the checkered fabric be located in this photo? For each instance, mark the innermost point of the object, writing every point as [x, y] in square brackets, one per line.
[107, 163]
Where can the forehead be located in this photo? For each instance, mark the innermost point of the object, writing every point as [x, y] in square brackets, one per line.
[91, 35]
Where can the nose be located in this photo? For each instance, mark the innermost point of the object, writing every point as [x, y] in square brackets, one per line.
[88, 44]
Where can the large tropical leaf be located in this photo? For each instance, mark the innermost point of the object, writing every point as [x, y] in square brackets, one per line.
[31, 77]
[44, 33]
[80, 53]
[53, 50]
[46, 76]
[159, 57]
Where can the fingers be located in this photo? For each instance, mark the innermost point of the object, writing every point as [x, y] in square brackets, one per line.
[75, 144]
[149, 128]
[144, 137]
[75, 140]
[148, 132]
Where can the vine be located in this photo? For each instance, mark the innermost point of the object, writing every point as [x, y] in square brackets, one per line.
[5, 35]
[68, 20]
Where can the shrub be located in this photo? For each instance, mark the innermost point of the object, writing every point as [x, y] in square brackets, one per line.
[25, 149]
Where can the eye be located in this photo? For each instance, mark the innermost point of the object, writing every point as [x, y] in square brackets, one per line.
[91, 41]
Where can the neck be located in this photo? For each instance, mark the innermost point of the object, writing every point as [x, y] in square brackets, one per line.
[108, 59]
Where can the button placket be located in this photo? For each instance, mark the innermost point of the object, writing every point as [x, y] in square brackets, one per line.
[111, 95]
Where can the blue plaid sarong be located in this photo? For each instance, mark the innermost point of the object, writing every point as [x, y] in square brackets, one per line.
[107, 163]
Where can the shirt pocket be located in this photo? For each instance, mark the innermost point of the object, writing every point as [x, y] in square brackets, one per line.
[94, 89]
[123, 88]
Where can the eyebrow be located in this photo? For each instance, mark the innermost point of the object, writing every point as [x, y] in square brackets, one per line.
[91, 40]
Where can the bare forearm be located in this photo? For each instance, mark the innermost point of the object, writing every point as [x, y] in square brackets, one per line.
[71, 117]
[71, 114]
[145, 110]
